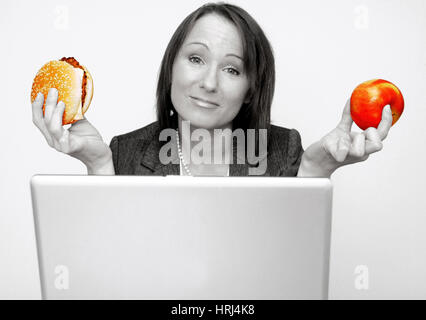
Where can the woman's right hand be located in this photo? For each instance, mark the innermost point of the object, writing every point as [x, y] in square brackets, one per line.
[81, 141]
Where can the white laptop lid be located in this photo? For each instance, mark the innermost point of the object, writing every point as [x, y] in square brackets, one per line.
[143, 237]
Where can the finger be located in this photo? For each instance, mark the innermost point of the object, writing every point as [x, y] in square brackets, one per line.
[353, 134]
[342, 149]
[37, 110]
[358, 145]
[51, 102]
[338, 150]
[373, 141]
[55, 125]
[346, 121]
[386, 122]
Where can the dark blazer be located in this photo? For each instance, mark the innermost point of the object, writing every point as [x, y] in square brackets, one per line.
[137, 153]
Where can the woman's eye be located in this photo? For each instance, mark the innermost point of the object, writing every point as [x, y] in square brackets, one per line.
[197, 60]
[194, 59]
[233, 71]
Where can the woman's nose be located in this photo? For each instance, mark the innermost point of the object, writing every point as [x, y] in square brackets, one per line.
[209, 80]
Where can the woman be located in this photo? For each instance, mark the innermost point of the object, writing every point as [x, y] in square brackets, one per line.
[217, 75]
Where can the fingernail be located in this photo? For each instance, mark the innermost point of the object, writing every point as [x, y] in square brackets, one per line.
[39, 95]
[53, 92]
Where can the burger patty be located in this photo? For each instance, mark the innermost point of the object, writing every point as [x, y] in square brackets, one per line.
[75, 64]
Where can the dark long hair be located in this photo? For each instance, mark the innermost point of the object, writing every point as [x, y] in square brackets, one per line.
[258, 61]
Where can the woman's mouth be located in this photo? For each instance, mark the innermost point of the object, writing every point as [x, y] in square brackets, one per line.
[203, 103]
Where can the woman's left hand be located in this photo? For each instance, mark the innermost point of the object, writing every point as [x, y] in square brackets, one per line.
[341, 147]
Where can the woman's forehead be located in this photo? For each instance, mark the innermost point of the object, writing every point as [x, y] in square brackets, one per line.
[216, 32]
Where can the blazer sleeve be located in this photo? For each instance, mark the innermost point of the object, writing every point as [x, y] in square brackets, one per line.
[114, 148]
[294, 153]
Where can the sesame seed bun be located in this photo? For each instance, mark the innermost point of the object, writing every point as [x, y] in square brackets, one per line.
[68, 80]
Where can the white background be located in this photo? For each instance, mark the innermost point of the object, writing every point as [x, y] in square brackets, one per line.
[323, 49]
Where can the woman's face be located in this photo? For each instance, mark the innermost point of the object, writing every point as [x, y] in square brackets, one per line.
[209, 67]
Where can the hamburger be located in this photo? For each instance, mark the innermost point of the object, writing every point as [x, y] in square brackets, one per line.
[73, 82]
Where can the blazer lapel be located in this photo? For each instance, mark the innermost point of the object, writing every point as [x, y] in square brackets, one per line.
[150, 160]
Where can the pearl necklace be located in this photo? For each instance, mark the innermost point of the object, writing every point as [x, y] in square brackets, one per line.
[185, 166]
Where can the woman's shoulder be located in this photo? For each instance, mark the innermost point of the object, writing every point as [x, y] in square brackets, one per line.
[285, 150]
[138, 139]
[284, 136]
[132, 146]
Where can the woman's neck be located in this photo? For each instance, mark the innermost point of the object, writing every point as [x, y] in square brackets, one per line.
[205, 151]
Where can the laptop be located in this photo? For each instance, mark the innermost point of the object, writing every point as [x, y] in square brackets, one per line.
[180, 238]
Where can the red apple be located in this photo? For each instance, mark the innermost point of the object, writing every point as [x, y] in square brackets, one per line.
[369, 99]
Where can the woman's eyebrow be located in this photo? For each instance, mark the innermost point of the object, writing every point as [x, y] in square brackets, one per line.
[207, 47]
